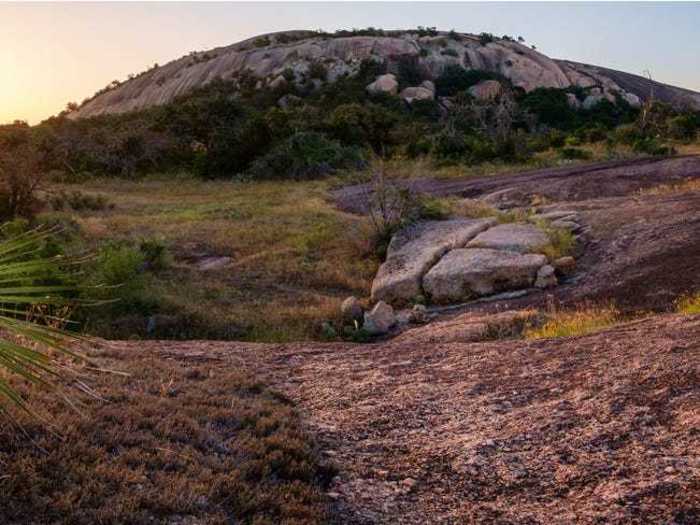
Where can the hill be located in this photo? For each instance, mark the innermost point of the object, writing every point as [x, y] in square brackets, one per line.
[306, 57]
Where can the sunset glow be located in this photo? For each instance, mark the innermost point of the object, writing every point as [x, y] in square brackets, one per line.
[56, 53]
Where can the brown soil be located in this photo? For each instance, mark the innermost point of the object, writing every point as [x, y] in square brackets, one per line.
[597, 429]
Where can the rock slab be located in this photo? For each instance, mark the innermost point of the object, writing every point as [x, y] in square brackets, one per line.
[514, 237]
[414, 250]
[465, 273]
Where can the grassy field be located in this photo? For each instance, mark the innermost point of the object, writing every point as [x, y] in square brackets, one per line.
[292, 257]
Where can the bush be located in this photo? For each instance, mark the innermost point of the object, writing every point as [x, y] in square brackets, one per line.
[305, 155]
[362, 125]
[550, 106]
[575, 323]
[575, 154]
[409, 72]
[79, 201]
[486, 38]
[155, 254]
[455, 79]
[651, 146]
[683, 127]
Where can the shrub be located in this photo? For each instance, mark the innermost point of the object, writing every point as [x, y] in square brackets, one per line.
[486, 38]
[155, 254]
[362, 125]
[683, 127]
[575, 154]
[20, 173]
[651, 146]
[455, 78]
[409, 72]
[318, 70]
[305, 155]
[550, 106]
[117, 276]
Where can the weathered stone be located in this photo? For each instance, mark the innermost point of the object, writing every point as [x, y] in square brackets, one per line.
[563, 214]
[546, 277]
[414, 250]
[351, 309]
[411, 94]
[566, 225]
[429, 85]
[632, 99]
[565, 266]
[384, 84]
[465, 273]
[514, 237]
[380, 319]
[486, 90]
[278, 82]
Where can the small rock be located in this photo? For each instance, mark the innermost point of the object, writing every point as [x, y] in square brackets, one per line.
[566, 225]
[565, 266]
[427, 84]
[546, 277]
[351, 310]
[409, 483]
[278, 82]
[486, 90]
[380, 319]
[573, 101]
[411, 94]
[384, 84]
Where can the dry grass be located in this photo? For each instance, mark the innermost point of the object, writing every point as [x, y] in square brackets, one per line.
[689, 305]
[294, 256]
[667, 189]
[176, 441]
[573, 323]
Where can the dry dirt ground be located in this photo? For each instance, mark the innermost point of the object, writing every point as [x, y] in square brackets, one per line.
[603, 428]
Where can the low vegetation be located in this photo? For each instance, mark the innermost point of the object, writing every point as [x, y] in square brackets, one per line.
[167, 441]
[689, 305]
[571, 323]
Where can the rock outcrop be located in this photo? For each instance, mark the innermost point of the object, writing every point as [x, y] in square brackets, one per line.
[514, 237]
[414, 250]
[466, 273]
[293, 56]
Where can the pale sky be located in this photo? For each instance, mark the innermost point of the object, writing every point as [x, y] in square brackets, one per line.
[53, 53]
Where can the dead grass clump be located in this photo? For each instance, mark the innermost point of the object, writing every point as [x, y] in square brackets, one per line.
[666, 189]
[574, 322]
[174, 442]
[689, 305]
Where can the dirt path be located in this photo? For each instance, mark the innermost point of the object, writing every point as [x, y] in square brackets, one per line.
[598, 429]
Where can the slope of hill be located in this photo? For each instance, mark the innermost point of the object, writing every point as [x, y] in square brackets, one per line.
[304, 57]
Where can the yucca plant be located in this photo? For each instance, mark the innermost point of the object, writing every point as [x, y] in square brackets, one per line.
[35, 294]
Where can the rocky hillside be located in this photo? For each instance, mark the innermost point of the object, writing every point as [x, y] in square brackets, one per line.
[310, 58]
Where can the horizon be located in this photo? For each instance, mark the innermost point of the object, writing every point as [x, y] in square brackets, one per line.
[75, 49]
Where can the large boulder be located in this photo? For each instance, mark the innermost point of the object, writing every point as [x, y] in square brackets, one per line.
[411, 94]
[465, 273]
[514, 237]
[486, 90]
[414, 250]
[384, 84]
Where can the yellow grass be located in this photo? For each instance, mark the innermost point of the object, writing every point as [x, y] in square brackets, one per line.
[689, 304]
[575, 322]
[294, 256]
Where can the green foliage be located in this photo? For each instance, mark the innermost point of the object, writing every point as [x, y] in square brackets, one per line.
[34, 305]
[155, 254]
[79, 201]
[362, 124]
[305, 155]
[683, 127]
[409, 72]
[574, 154]
[486, 38]
[455, 79]
[551, 107]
